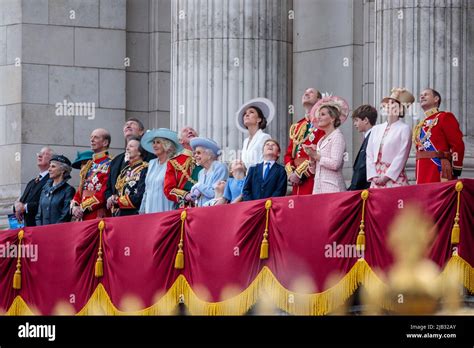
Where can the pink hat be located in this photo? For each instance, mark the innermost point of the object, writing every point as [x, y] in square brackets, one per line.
[337, 102]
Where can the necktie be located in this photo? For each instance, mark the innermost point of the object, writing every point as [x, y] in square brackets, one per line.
[267, 169]
[38, 179]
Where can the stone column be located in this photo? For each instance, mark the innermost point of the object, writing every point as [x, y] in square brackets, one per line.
[332, 43]
[424, 43]
[225, 52]
[149, 51]
[51, 51]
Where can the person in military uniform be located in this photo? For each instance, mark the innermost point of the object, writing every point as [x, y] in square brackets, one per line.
[438, 141]
[89, 200]
[130, 185]
[182, 171]
[302, 133]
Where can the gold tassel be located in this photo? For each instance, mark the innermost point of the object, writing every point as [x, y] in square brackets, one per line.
[264, 246]
[360, 243]
[179, 260]
[99, 264]
[17, 275]
[456, 231]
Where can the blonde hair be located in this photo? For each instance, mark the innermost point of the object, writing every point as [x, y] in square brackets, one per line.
[232, 162]
[168, 145]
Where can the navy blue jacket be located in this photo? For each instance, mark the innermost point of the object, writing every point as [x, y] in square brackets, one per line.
[274, 186]
[53, 207]
[359, 178]
[31, 197]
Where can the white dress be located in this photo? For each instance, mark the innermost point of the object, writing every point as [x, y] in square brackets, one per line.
[154, 199]
[252, 153]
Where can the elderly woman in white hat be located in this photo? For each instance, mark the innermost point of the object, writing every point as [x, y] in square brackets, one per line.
[206, 152]
[164, 144]
[327, 156]
[251, 119]
[390, 142]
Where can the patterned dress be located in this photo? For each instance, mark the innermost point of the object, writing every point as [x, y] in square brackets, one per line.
[382, 168]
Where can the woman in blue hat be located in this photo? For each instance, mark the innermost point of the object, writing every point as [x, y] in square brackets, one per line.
[164, 144]
[206, 152]
[57, 194]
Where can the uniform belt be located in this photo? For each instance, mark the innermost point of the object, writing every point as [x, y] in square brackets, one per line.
[433, 154]
[445, 159]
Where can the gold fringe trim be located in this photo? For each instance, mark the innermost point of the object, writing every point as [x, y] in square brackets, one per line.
[457, 264]
[265, 284]
[19, 307]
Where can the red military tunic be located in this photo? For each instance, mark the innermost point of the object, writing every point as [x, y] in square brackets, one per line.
[181, 175]
[90, 195]
[296, 158]
[439, 145]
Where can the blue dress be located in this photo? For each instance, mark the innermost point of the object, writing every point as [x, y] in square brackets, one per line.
[207, 179]
[233, 188]
[154, 199]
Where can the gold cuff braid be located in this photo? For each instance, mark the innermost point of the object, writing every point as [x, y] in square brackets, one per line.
[303, 169]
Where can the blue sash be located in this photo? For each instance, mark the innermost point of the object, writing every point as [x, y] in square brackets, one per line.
[428, 146]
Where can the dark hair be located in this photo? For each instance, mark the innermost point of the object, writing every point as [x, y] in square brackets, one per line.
[141, 150]
[366, 112]
[273, 141]
[318, 94]
[334, 113]
[436, 94]
[140, 124]
[263, 123]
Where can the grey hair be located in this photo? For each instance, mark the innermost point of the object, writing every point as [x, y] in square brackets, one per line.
[47, 148]
[168, 145]
[211, 153]
[65, 168]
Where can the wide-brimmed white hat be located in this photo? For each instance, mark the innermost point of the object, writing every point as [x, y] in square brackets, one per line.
[206, 143]
[147, 139]
[264, 104]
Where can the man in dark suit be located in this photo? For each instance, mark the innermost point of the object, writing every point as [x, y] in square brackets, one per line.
[365, 117]
[268, 178]
[27, 206]
[132, 128]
